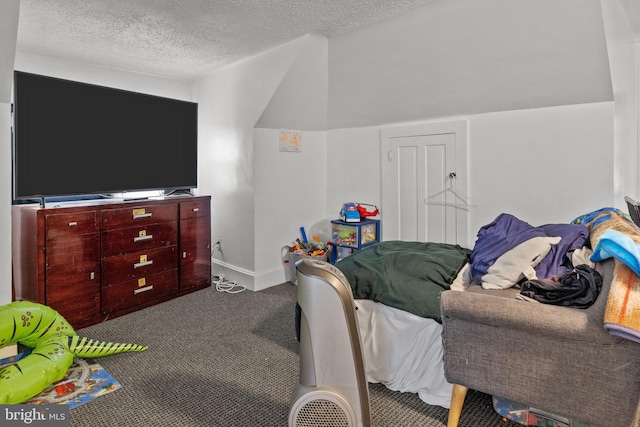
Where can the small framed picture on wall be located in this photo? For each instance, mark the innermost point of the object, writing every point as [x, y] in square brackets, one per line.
[290, 140]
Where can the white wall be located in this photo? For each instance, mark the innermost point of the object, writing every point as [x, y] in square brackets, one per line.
[353, 164]
[291, 193]
[105, 76]
[231, 100]
[624, 53]
[291, 187]
[543, 165]
[546, 165]
[9, 12]
[5, 203]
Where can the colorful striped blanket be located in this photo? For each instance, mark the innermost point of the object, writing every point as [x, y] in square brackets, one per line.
[614, 235]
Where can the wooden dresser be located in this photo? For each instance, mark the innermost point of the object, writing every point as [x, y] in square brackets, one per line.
[96, 261]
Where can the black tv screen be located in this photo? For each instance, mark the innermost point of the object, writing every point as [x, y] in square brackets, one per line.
[74, 138]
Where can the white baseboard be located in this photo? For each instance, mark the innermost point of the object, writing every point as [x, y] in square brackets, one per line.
[236, 274]
[247, 278]
[269, 279]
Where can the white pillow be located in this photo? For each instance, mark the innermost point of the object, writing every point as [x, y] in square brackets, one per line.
[518, 262]
[463, 279]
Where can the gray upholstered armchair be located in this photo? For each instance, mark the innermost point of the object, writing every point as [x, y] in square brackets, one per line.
[561, 360]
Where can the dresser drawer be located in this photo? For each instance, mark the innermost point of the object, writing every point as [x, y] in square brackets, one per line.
[133, 292]
[74, 288]
[78, 306]
[195, 232]
[141, 238]
[73, 292]
[195, 209]
[138, 216]
[68, 224]
[135, 265]
[67, 257]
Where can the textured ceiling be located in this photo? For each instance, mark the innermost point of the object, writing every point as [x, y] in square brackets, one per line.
[185, 38]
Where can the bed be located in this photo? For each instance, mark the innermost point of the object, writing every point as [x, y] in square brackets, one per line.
[403, 351]
[397, 287]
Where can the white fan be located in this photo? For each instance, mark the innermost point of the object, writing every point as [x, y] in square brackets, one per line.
[332, 389]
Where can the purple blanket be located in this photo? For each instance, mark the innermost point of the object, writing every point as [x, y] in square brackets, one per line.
[506, 232]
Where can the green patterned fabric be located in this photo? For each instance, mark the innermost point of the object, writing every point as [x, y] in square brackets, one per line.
[406, 275]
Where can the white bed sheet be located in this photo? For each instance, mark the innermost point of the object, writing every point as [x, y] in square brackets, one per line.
[403, 351]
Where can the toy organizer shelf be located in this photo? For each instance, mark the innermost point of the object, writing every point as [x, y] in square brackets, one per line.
[350, 237]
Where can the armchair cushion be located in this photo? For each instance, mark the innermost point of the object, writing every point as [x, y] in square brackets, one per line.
[558, 359]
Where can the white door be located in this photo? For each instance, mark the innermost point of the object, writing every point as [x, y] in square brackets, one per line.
[424, 183]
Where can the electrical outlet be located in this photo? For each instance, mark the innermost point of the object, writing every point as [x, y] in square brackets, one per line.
[218, 244]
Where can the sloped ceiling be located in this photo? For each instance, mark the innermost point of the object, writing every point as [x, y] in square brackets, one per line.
[388, 61]
[462, 57]
[185, 38]
[300, 101]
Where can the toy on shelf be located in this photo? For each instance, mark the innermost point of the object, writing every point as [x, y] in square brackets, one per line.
[349, 237]
[354, 212]
[364, 213]
[349, 213]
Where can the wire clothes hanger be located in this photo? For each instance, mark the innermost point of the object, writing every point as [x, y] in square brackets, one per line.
[461, 200]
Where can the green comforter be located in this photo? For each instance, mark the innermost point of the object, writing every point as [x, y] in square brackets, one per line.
[406, 275]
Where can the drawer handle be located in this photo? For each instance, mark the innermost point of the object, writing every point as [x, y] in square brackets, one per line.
[196, 209]
[142, 215]
[73, 223]
[142, 238]
[141, 290]
[142, 264]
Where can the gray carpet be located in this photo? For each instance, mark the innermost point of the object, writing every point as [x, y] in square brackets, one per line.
[219, 359]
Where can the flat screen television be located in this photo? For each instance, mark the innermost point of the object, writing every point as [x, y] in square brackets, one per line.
[74, 138]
